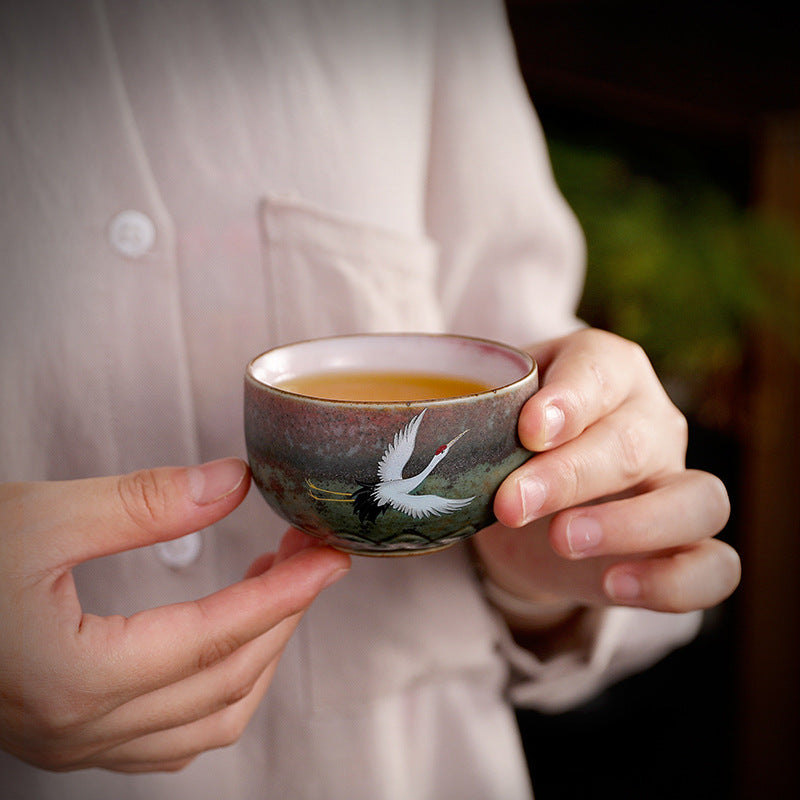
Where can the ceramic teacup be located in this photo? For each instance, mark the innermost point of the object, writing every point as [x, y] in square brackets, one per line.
[385, 477]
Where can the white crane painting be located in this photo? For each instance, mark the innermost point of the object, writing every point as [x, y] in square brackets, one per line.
[392, 490]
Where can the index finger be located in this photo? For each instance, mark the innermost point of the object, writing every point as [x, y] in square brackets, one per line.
[155, 648]
[585, 376]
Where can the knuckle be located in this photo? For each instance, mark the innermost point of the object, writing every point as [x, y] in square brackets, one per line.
[632, 448]
[144, 498]
[570, 473]
[54, 727]
[597, 339]
[600, 388]
[55, 721]
[603, 388]
[637, 354]
[601, 341]
[215, 649]
[631, 352]
[238, 686]
[679, 427]
[230, 726]
[233, 694]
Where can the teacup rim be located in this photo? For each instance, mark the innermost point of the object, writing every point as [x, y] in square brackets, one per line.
[530, 373]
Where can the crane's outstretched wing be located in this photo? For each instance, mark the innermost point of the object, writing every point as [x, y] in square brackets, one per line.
[425, 505]
[390, 467]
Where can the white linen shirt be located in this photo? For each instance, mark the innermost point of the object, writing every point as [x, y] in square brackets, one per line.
[185, 184]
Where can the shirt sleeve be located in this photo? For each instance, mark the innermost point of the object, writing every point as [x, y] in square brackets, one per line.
[511, 251]
[512, 258]
[613, 644]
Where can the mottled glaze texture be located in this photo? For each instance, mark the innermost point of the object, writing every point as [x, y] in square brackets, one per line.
[317, 463]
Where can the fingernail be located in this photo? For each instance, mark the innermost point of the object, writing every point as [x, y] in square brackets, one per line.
[209, 483]
[583, 534]
[532, 494]
[335, 576]
[622, 586]
[553, 424]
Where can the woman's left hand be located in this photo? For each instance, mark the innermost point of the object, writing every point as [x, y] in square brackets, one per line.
[606, 512]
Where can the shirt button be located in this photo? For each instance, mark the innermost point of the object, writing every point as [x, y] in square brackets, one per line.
[179, 553]
[131, 233]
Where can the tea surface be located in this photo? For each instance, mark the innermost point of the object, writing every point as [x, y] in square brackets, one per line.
[381, 387]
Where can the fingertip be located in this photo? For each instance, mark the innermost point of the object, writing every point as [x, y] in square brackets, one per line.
[731, 569]
[216, 480]
[623, 584]
[557, 536]
[531, 426]
[155, 505]
[541, 423]
[719, 501]
[503, 507]
[295, 541]
[698, 577]
[554, 421]
[338, 573]
[319, 565]
[508, 506]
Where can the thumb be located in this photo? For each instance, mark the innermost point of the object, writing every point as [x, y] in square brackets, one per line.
[111, 514]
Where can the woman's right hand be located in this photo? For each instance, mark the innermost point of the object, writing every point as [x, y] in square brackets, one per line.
[151, 691]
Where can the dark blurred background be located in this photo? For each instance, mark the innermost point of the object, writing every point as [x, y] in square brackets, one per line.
[674, 130]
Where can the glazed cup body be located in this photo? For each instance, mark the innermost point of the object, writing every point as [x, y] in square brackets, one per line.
[387, 478]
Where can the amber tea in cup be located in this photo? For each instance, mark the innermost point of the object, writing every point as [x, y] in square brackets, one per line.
[381, 387]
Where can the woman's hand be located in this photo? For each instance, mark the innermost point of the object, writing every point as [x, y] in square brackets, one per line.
[151, 691]
[606, 512]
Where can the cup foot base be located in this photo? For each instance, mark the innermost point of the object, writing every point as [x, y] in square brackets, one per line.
[408, 545]
[419, 551]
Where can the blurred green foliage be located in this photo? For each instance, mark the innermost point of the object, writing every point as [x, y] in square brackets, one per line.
[679, 267]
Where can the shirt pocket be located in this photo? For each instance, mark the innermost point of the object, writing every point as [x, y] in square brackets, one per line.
[327, 275]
